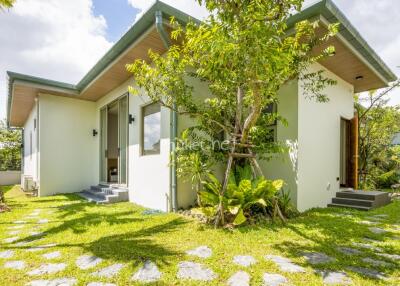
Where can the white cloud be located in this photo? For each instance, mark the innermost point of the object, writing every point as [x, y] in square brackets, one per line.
[190, 7]
[54, 39]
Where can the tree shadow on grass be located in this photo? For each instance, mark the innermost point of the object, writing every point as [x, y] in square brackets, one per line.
[133, 246]
[327, 230]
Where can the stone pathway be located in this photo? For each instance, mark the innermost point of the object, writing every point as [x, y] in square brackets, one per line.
[17, 264]
[41, 247]
[285, 264]
[16, 227]
[377, 230]
[19, 222]
[244, 260]
[317, 258]
[390, 256]
[367, 246]
[240, 278]
[100, 284]
[372, 273]
[270, 279]
[43, 221]
[14, 232]
[55, 282]
[201, 251]
[194, 271]
[48, 269]
[335, 278]
[6, 254]
[147, 273]
[52, 255]
[348, 250]
[11, 239]
[109, 271]
[87, 261]
[375, 262]
[367, 222]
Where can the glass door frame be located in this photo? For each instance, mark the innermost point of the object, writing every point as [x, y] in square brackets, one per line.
[103, 151]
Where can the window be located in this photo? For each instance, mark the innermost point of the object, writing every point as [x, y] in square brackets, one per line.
[151, 128]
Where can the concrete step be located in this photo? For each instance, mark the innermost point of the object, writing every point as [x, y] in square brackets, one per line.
[362, 195]
[333, 205]
[353, 202]
[105, 194]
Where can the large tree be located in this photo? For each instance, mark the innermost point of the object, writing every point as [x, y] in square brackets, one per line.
[244, 53]
[6, 3]
[10, 148]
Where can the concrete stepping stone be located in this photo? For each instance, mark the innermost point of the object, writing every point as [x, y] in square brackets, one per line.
[389, 256]
[375, 262]
[52, 255]
[16, 264]
[147, 273]
[285, 264]
[201, 251]
[43, 221]
[48, 268]
[194, 271]
[271, 279]
[317, 258]
[19, 222]
[109, 271]
[377, 230]
[54, 282]
[367, 222]
[41, 247]
[335, 278]
[36, 233]
[16, 227]
[371, 240]
[368, 272]
[87, 261]
[21, 243]
[6, 254]
[11, 239]
[100, 284]
[367, 246]
[240, 278]
[348, 250]
[14, 232]
[381, 215]
[244, 260]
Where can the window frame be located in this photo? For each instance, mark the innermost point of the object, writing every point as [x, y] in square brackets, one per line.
[143, 151]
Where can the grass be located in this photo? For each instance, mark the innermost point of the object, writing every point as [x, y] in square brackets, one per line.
[119, 233]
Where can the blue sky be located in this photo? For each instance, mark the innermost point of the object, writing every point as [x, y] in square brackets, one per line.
[119, 15]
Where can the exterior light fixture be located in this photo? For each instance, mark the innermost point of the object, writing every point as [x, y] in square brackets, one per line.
[94, 132]
[131, 119]
[359, 77]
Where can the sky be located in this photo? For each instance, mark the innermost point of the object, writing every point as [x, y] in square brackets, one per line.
[62, 40]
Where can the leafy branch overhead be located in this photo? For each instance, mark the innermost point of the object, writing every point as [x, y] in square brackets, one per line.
[226, 71]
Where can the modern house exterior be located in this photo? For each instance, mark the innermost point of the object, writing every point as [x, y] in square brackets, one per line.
[95, 132]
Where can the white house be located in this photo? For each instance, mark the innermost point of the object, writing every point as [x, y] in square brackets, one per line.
[92, 132]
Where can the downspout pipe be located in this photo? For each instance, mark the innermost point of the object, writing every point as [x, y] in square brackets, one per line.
[173, 124]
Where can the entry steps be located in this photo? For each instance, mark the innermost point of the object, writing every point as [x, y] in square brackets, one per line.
[361, 200]
[105, 194]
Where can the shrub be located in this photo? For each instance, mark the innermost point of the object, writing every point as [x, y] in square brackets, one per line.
[386, 180]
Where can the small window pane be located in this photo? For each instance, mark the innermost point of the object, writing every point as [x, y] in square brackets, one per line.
[151, 129]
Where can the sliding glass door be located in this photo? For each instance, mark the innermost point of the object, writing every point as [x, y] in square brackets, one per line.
[103, 145]
[123, 140]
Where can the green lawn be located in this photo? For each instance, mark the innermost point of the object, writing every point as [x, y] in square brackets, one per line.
[120, 233]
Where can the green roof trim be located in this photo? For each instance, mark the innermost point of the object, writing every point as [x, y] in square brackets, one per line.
[326, 8]
[332, 14]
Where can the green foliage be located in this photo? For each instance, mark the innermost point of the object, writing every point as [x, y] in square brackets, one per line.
[6, 3]
[285, 204]
[386, 180]
[10, 148]
[243, 193]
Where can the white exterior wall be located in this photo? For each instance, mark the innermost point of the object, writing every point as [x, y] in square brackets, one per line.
[148, 176]
[31, 153]
[285, 166]
[319, 142]
[69, 157]
[10, 178]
